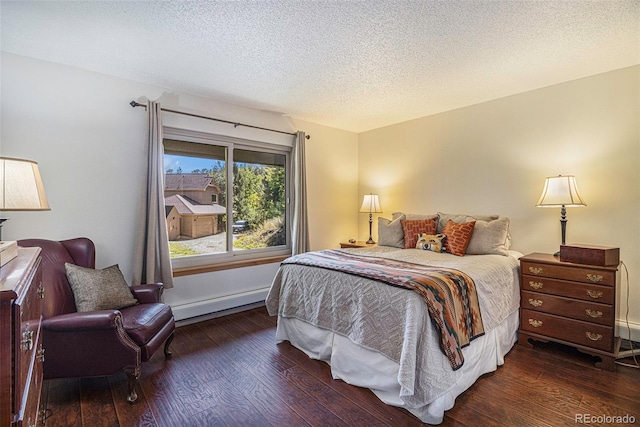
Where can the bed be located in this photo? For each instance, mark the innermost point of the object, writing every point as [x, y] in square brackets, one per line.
[382, 337]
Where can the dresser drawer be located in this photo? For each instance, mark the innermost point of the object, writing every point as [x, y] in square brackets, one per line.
[565, 329]
[20, 366]
[28, 414]
[567, 307]
[576, 274]
[583, 291]
[27, 314]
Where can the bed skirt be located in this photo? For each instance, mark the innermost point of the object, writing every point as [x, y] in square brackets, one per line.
[380, 374]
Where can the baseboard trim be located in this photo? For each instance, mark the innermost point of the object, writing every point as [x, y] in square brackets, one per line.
[622, 330]
[183, 312]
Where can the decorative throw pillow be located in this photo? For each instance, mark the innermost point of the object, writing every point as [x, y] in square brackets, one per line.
[390, 232]
[431, 242]
[412, 228]
[99, 289]
[443, 218]
[458, 236]
[489, 237]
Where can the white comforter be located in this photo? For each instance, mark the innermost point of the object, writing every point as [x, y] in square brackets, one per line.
[394, 321]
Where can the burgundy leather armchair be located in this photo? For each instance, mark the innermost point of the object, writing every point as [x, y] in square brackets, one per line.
[96, 343]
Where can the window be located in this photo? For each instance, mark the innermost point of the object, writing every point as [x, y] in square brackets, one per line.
[225, 198]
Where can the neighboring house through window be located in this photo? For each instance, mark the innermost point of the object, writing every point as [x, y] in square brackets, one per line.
[202, 173]
[190, 195]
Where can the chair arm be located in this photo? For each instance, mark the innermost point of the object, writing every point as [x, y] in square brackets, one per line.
[148, 294]
[82, 321]
[88, 344]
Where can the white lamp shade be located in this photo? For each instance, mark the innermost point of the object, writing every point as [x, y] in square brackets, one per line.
[21, 187]
[370, 204]
[560, 190]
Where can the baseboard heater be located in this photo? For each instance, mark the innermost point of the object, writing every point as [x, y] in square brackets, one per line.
[210, 306]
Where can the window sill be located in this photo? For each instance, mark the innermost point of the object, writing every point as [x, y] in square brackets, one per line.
[187, 271]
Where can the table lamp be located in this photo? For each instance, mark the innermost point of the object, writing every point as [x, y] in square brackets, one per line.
[370, 204]
[559, 192]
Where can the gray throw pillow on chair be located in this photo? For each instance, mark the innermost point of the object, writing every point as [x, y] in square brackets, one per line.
[99, 289]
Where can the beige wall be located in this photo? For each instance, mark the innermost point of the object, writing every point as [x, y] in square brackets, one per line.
[493, 158]
[89, 144]
[332, 185]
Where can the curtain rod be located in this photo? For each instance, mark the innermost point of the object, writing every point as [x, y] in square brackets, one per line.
[235, 124]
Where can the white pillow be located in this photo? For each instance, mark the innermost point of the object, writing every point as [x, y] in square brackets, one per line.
[443, 218]
[390, 232]
[412, 216]
[489, 237]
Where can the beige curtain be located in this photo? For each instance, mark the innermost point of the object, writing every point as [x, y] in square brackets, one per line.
[152, 261]
[300, 223]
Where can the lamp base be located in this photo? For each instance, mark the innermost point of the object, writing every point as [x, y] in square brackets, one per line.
[370, 241]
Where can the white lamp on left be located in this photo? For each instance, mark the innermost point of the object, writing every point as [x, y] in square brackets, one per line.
[21, 187]
[370, 205]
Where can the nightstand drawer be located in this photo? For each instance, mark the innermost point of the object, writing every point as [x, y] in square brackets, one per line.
[583, 291]
[585, 275]
[569, 330]
[580, 310]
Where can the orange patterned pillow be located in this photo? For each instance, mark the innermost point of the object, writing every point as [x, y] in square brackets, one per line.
[414, 227]
[458, 236]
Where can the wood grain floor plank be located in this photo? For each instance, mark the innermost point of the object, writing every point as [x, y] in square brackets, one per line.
[140, 414]
[341, 405]
[96, 402]
[62, 400]
[464, 414]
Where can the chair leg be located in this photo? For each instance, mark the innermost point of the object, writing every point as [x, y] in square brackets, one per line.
[167, 343]
[132, 374]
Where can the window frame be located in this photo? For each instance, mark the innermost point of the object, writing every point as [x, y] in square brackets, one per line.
[194, 264]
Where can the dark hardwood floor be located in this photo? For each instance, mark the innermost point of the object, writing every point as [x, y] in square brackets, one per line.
[230, 372]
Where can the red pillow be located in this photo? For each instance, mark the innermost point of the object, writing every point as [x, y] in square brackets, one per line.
[458, 236]
[413, 227]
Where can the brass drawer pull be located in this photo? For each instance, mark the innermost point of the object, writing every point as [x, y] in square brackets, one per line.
[593, 313]
[27, 339]
[41, 291]
[535, 302]
[536, 323]
[594, 294]
[593, 337]
[535, 285]
[40, 355]
[595, 278]
[535, 270]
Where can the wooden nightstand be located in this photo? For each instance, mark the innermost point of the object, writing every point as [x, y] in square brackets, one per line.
[572, 304]
[358, 244]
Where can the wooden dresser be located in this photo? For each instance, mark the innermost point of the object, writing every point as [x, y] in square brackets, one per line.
[573, 304]
[21, 352]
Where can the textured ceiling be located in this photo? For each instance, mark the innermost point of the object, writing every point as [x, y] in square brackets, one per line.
[354, 65]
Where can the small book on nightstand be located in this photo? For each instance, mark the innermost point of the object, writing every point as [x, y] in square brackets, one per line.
[8, 251]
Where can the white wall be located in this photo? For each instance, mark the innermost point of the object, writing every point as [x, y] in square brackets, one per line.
[493, 158]
[90, 143]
